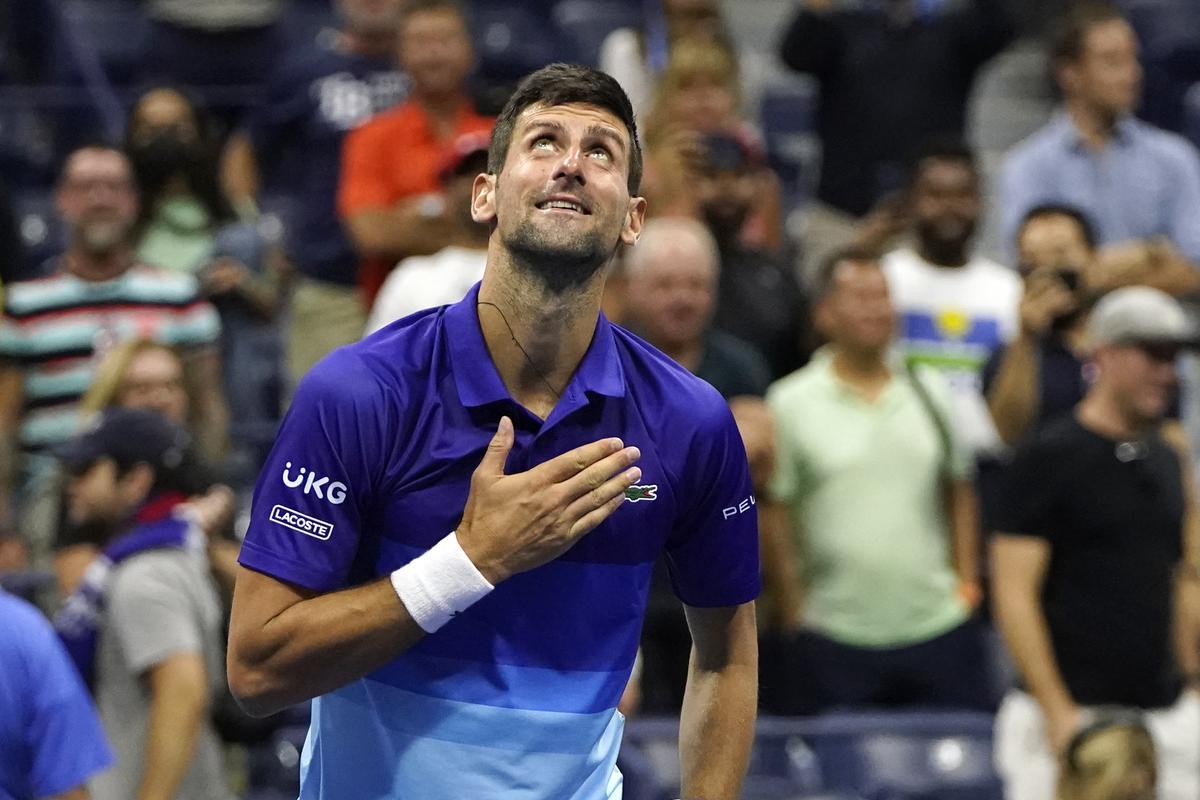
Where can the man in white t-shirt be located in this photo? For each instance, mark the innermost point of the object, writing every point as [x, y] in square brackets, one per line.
[955, 308]
[421, 282]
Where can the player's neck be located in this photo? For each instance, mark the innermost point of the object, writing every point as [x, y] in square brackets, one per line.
[91, 267]
[536, 337]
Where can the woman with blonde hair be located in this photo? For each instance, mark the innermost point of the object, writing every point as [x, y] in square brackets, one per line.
[147, 374]
[1113, 759]
[699, 94]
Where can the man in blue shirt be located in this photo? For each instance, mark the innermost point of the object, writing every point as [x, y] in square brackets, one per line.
[1139, 185]
[312, 102]
[50, 737]
[446, 556]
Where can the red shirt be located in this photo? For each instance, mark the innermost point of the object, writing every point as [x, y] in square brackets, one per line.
[394, 156]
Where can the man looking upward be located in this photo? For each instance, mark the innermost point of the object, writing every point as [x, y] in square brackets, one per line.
[417, 558]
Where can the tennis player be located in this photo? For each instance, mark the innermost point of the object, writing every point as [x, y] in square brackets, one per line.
[451, 542]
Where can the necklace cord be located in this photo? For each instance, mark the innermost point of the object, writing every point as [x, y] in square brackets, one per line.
[557, 394]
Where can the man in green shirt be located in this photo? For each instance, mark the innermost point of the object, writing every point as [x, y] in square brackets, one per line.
[870, 524]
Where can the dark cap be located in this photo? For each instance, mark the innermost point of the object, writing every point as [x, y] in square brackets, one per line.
[466, 154]
[128, 436]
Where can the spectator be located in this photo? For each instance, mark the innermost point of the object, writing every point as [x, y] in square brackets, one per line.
[186, 224]
[1039, 375]
[55, 329]
[698, 94]
[955, 308]
[145, 625]
[314, 99]
[758, 298]
[420, 282]
[637, 58]
[670, 280]
[51, 741]
[873, 487]
[388, 196]
[1111, 759]
[1139, 185]
[1093, 590]
[892, 75]
[144, 374]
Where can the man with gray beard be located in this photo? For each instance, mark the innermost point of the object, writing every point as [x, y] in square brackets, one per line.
[55, 331]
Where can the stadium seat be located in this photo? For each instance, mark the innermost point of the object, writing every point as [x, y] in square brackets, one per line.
[588, 22]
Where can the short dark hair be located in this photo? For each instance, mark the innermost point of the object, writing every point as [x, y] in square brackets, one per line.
[95, 144]
[414, 7]
[827, 273]
[941, 148]
[559, 84]
[1061, 210]
[1071, 29]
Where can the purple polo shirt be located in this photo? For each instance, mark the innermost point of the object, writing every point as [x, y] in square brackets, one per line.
[516, 696]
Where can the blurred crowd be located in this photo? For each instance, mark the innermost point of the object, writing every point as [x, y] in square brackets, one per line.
[940, 256]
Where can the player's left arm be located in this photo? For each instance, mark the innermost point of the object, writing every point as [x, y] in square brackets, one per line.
[716, 727]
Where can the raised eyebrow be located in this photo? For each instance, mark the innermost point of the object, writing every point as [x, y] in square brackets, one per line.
[540, 128]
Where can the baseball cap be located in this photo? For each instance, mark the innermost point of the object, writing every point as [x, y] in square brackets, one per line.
[464, 153]
[1140, 315]
[128, 436]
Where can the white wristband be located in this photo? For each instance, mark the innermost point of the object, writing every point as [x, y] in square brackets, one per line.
[440, 583]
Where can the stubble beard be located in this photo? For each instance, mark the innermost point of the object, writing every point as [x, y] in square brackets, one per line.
[560, 264]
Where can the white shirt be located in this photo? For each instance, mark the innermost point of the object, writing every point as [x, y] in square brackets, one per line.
[422, 282]
[954, 318]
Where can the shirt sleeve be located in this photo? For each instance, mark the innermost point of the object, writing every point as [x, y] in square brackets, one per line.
[1185, 211]
[712, 553]
[364, 183]
[786, 479]
[960, 464]
[318, 485]
[152, 613]
[1025, 501]
[66, 742]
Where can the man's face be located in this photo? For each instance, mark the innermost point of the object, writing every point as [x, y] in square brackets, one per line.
[561, 201]
[858, 311]
[671, 294]
[97, 496]
[154, 381]
[435, 51]
[371, 17]
[726, 196]
[97, 200]
[1107, 75]
[1141, 377]
[945, 205]
[1053, 242]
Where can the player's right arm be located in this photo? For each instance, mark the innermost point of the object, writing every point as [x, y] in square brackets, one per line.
[288, 643]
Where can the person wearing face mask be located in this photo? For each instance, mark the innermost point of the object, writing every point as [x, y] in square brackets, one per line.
[186, 224]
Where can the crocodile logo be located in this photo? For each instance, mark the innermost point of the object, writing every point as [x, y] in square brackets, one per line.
[636, 494]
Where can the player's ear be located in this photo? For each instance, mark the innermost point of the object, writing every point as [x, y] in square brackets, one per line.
[635, 217]
[483, 198]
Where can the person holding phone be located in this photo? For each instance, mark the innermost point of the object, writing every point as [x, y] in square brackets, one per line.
[1039, 375]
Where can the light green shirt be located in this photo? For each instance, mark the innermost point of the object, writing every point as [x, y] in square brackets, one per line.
[179, 236]
[862, 481]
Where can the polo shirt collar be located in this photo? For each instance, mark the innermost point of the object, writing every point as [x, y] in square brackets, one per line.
[479, 383]
[1071, 139]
